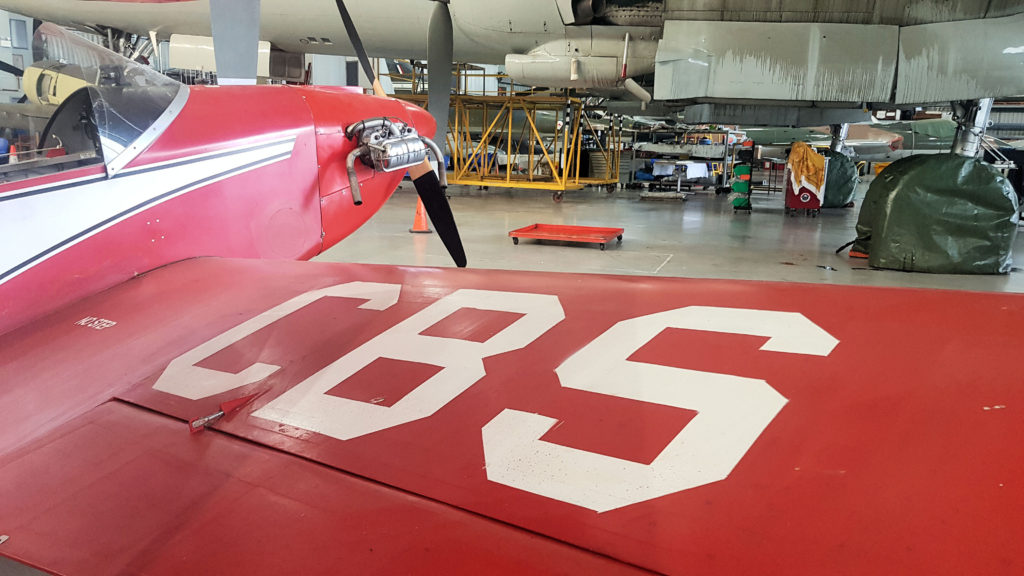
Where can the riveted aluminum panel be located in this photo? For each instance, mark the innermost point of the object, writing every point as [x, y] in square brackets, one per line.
[789, 62]
[961, 60]
[767, 115]
[893, 12]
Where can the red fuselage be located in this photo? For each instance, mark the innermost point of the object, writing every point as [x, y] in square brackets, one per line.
[252, 172]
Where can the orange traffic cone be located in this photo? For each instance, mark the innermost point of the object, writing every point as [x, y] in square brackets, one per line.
[419, 223]
[12, 158]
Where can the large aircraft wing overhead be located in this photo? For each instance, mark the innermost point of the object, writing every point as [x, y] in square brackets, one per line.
[379, 419]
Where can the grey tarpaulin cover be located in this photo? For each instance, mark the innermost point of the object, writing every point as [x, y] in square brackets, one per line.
[939, 213]
[841, 180]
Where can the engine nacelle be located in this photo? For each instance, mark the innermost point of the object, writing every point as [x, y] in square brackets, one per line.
[592, 58]
[540, 69]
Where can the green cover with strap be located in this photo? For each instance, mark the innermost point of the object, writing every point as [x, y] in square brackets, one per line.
[939, 213]
[741, 186]
[840, 181]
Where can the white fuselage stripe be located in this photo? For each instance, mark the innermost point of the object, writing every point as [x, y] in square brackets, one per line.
[74, 213]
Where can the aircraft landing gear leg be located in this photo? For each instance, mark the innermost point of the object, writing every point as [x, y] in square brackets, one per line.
[960, 192]
[972, 118]
[839, 134]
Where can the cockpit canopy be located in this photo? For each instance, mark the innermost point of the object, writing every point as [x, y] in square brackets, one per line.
[83, 105]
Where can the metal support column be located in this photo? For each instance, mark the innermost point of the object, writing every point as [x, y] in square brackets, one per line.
[723, 179]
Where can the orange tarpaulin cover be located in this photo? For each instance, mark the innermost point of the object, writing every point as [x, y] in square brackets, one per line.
[806, 168]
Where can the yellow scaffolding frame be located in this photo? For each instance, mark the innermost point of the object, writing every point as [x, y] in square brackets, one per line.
[481, 122]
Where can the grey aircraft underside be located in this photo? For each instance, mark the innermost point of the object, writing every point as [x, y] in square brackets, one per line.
[881, 142]
[766, 62]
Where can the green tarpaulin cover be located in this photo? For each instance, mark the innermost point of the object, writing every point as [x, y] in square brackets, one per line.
[939, 213]
[840, 181]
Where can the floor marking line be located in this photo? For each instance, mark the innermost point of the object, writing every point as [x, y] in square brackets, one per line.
[658, 269]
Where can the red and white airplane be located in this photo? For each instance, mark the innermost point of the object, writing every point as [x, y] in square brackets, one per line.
[141, 171]
[383, 419]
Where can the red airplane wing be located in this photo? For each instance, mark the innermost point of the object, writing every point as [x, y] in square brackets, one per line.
[425, 420]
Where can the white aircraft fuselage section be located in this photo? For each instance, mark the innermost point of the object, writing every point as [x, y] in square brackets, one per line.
[852, 55]
[484, 32]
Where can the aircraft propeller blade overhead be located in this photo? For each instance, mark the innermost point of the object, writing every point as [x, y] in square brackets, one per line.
[435, 202]
[439, 68]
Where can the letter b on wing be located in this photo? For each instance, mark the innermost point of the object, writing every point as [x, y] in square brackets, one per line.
[308, 405]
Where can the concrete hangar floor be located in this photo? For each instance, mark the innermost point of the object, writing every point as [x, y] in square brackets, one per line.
[698, 238]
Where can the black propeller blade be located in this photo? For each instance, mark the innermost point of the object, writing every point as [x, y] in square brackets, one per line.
[435, 202]
[440, 212]
[10, 69]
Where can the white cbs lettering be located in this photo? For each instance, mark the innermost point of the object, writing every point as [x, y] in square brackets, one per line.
[183, 378]
[308, 405]
[732, 412]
